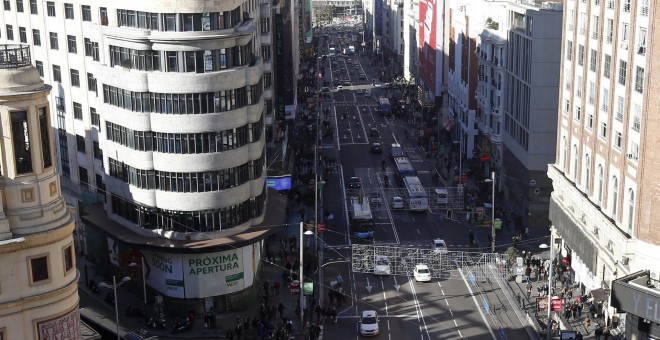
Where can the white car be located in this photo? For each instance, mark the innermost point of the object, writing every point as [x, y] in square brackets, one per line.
[439, 246]
[339, 87]
[397, 203]
[369, 323]
[382, 265]
[422, 273]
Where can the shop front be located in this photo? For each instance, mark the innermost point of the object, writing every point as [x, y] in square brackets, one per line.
[637, 298]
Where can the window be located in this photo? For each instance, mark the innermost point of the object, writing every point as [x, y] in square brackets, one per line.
[615, 195]
[626, 5]
[7, 5]
[595, 21]
[606, 99]
[587, 177]
[19, 6]
[265, 25]
[600, 184]
[265, 52]
[59, 104]
[634, 152]
[75, 78]
[103, 13]
[641, 41]
[580, 55]
[68, 258]
[607, 65]
[39, 269]
[10, 32]
[575, 163]
[620, 103]
[639, 79]
[50, 8]
[590, 121]
[617, 140]
[71, 43]
[567, 105]
[593, 56]
[86, 13]
[91, 49]
[22, 35]
[40, 67]
[578, 87]
[77, 111]
[603, 130]
[268, 79]
[21, 139]
[57, 73]
[169, 22]
[578, 113]
[33, 7]
[36, 37]
[609, 30]
[83, 177]
[631, 210]
[80, 143]
[623, 68]
[98, 153]
[582, 22]
[644, 9]
[53, 41]
[636, 116]
[569, 50]
[68, 11]
[44, 132]
[591, 95]
[96, 120]
[91, 83]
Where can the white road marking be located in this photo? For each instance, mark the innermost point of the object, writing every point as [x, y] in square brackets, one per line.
[476, 303]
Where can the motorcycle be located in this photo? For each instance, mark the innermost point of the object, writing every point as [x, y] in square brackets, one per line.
[156, 323]
[182, 326]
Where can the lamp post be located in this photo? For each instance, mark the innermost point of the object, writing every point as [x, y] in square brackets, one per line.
[114, 289]
[300, 272]
[460, 159]
[144, 281]
[492, 211]
[549, 306]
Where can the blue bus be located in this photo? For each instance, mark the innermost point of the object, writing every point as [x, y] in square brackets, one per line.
[404, 167]
[362, 221]
[384, 105]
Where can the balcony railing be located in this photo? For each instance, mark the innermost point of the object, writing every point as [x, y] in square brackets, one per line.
[14, 56]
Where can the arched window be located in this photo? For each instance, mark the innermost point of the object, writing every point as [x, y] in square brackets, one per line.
[575, 162]
[600, 184]
[615, 195]
[587, 179]
[631, 210]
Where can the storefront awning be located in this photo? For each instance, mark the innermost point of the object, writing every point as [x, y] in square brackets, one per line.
[600, 295]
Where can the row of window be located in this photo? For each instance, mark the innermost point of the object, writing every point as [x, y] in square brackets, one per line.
[189, 181]
[191, 103]
[179, 22]
[189, 221]
[175, 61]
[185, 143]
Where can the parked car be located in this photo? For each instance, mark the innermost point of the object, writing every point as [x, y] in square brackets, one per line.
[422, 273]
[355, 182]
[369, 323]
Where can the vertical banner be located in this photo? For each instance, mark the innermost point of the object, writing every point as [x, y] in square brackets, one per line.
[427, 42]
[113, 251]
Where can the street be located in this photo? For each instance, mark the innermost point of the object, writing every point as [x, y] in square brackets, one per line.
[440, 309]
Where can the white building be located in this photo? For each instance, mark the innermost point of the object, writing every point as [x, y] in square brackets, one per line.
[40, 287]
[159, 110]
[410, 51]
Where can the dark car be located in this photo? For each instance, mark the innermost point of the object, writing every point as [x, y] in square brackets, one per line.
[355, 182]
[376, 147]
[373, 132]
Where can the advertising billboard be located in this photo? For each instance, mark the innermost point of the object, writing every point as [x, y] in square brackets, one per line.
[202, 275]
[428, 46]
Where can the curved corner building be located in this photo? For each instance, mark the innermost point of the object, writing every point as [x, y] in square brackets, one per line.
[39, 287]
[159, 112]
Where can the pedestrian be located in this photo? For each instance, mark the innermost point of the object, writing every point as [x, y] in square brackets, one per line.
[529, 289]
[276, 288]
[528, 273]
[340, 281]
[606, 333]
[598, 332]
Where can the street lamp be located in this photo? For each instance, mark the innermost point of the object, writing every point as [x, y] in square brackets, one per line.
[144, 281]
[300, 271]
[114, 289]
[549, 306]
[460, 159]
[492, 211]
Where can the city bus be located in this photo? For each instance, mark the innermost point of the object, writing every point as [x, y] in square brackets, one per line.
[418, 200]
[362, 222]
[384, 105]
[404, 167]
